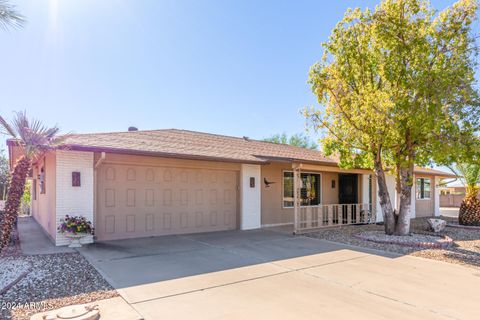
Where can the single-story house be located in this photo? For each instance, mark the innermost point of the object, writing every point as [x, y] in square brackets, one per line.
[452, 195]
[159, 182]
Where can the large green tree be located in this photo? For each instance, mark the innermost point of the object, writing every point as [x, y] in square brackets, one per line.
[396, 87]
[297, 139]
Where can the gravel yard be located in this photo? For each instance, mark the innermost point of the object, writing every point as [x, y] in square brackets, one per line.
[465, 250]
[54, 281]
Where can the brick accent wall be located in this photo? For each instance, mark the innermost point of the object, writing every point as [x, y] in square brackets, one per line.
[74, 200]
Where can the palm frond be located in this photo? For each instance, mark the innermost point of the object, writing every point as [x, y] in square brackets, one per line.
[52, 133]
[9, 16]
[33, 136]
[6, 128]
[469, 173]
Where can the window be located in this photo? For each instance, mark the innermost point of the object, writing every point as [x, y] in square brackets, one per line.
[288, 189]
[42, 181]
[309, 190]
[423, 188]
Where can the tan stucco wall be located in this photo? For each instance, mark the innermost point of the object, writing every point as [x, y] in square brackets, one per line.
[329, 194]
[272, 197]
[272, 208]
[43, 208]
[425, 207]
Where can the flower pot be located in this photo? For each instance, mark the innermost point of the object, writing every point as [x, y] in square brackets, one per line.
[75, 239]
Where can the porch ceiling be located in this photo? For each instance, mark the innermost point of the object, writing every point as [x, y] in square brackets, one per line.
[315, 167]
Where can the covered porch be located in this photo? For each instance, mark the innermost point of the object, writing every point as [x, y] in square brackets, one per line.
[355, 188]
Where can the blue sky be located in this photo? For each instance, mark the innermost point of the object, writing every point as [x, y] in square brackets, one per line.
[229, 67]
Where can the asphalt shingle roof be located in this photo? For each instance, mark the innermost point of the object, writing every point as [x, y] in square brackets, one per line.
[191, 144]
[199, 145]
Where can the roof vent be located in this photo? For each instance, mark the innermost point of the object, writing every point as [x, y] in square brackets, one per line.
[246, 138]
[132, 129]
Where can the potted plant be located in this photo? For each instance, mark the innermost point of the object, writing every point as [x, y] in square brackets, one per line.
[75, 228]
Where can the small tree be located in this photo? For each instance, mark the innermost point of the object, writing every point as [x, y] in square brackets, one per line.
[33, 138]
[397, 84]
[469, 212]
[298, 139]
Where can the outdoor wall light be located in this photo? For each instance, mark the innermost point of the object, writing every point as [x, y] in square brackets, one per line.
[76, 179]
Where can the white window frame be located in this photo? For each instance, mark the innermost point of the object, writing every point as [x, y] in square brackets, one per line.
[311, 172]
[424, 178]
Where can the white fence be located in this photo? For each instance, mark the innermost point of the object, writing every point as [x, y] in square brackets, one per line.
[314, 217]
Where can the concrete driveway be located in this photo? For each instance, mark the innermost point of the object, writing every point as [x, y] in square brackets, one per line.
[265, 274]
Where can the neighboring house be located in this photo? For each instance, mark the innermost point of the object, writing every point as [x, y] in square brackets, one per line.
[452, 196]
[150, 183]
[446, 190]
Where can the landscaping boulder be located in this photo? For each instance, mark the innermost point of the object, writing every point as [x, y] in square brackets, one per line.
[437, 225]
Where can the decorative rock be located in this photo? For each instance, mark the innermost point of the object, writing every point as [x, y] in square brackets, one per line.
[437, 225]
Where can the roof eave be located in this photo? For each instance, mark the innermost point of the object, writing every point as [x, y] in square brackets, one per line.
[154, 154]
[288, 159]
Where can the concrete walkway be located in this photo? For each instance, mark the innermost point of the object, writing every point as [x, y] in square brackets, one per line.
[264, 275]
[449, 212]
[33, 239]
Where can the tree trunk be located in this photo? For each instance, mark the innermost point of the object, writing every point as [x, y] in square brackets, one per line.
[14, 197]
[402, 226]
[385, 202]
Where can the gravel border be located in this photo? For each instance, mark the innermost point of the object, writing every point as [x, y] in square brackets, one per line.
[414, 240]
[55, 280]
[465, 249]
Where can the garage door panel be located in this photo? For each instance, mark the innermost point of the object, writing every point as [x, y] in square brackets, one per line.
[139, 201]
[149, 222]
[149, 198]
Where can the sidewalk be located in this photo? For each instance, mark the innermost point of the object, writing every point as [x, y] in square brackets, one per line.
[33, 239]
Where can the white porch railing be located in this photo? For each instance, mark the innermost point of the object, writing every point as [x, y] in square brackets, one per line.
[328, 215]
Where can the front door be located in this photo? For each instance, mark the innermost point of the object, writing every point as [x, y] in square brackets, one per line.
[347, 188]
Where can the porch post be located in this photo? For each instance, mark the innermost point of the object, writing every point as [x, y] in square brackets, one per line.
[296, 196]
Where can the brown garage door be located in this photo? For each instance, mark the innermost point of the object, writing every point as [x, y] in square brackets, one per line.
[140, 201]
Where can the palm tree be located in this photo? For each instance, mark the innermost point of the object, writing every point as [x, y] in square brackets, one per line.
[9, 16]
[33, 138]
[469, 173]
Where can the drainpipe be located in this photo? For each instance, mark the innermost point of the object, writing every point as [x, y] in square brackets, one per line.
[95, 183]
[99, 162]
